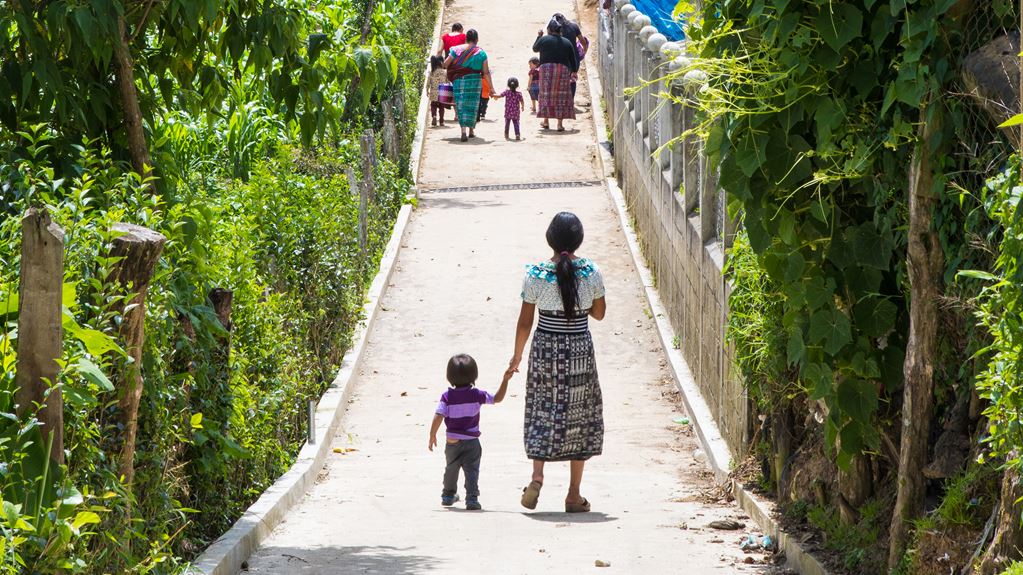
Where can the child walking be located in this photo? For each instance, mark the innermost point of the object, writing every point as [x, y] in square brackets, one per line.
[459, 409]
[437, 77]
[484, 98]
[534, 83]
[513, 104]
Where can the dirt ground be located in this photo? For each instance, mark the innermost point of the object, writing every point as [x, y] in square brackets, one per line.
[376, 506]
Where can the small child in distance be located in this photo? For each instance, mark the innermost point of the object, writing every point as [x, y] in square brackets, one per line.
[513, 105]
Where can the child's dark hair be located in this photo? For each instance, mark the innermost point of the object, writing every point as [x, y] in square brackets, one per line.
[436, 62]
[472, 36]
[513, 83]
[456, 27]
[565, 235]
[535, 60]
[462, 370]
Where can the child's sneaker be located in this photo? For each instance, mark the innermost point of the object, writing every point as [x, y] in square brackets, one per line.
[473, 504]
[448, 500]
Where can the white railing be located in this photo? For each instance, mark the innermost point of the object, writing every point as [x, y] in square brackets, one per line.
[673, 194]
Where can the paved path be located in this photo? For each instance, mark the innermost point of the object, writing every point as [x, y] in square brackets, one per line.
[456, 287]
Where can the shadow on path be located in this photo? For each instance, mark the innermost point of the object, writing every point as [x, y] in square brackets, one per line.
[556, 517]
[382, 560]
[473, 141]
[449, 203]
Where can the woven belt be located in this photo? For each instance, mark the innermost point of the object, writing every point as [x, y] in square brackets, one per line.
[557, 323]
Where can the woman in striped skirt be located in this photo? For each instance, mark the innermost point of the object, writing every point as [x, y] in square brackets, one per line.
[467, 66]
[564, 412]
[558, 62]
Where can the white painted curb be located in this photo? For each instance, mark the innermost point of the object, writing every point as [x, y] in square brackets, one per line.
[226, 555]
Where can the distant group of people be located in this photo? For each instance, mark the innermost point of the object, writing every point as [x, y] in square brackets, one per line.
[460, 78]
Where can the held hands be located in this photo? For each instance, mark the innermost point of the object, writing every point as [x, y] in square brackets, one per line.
[513, 365]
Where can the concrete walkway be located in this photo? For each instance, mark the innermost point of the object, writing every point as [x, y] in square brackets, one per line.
[376, 509]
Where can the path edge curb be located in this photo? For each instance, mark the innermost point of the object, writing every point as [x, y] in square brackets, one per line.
[228, 552]
[719, 456]
[419, 140]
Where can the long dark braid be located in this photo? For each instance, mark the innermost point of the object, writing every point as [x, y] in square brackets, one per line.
[565, 235]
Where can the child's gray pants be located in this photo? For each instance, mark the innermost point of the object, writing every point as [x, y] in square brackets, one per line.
[464, 455]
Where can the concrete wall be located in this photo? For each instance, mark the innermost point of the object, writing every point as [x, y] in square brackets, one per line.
[678, 209]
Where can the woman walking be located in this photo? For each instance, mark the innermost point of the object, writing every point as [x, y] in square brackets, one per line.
[467, 66]
[558, 62]
[564, 412]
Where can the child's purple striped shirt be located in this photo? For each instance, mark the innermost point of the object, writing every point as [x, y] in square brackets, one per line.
[460, 407]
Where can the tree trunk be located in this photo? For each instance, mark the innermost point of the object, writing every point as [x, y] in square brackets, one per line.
[40, 335]
[1007, 543]
[924, 264]
[222, 300]
[855, 485]
[137, 147]
[139, 249]
[353, 88]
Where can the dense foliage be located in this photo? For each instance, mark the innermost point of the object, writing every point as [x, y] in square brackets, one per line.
[244, 109]
[813, 114]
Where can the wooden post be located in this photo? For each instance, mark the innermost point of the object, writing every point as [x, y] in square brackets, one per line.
[139, 251]
[356, 188]
[221, 300]
[39, 326]
[925, 262]
[369, 160]
[391, 145]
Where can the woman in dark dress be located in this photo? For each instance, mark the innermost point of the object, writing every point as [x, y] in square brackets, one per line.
[558, 62]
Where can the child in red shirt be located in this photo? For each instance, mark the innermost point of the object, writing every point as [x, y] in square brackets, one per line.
[456, 37]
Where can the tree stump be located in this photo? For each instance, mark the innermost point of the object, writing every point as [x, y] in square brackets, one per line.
[40, 336]
[221, 300]
[1007, 544]
[139, 251]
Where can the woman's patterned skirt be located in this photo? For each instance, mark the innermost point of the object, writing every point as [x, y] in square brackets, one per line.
[564, 410]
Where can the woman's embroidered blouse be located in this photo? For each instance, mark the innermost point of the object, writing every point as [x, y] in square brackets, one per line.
[540, 285]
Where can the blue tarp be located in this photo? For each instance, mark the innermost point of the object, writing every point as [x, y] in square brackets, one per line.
[659, 12]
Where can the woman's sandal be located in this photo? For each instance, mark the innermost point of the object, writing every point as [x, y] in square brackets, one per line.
[465, 138]
[577, 507]
[530, 494]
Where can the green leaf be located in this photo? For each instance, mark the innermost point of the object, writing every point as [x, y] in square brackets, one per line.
[850, 438]
[840, 25]
[978, 275]
[819, 378]
[91, 372]
[875, 316]
[830, 328]
[794, 266]
[95, 342]
[85, 518]
[196, 421]
[857, 399]
[795, 349]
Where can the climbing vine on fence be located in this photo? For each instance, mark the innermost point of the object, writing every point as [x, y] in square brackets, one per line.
[809, 111]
